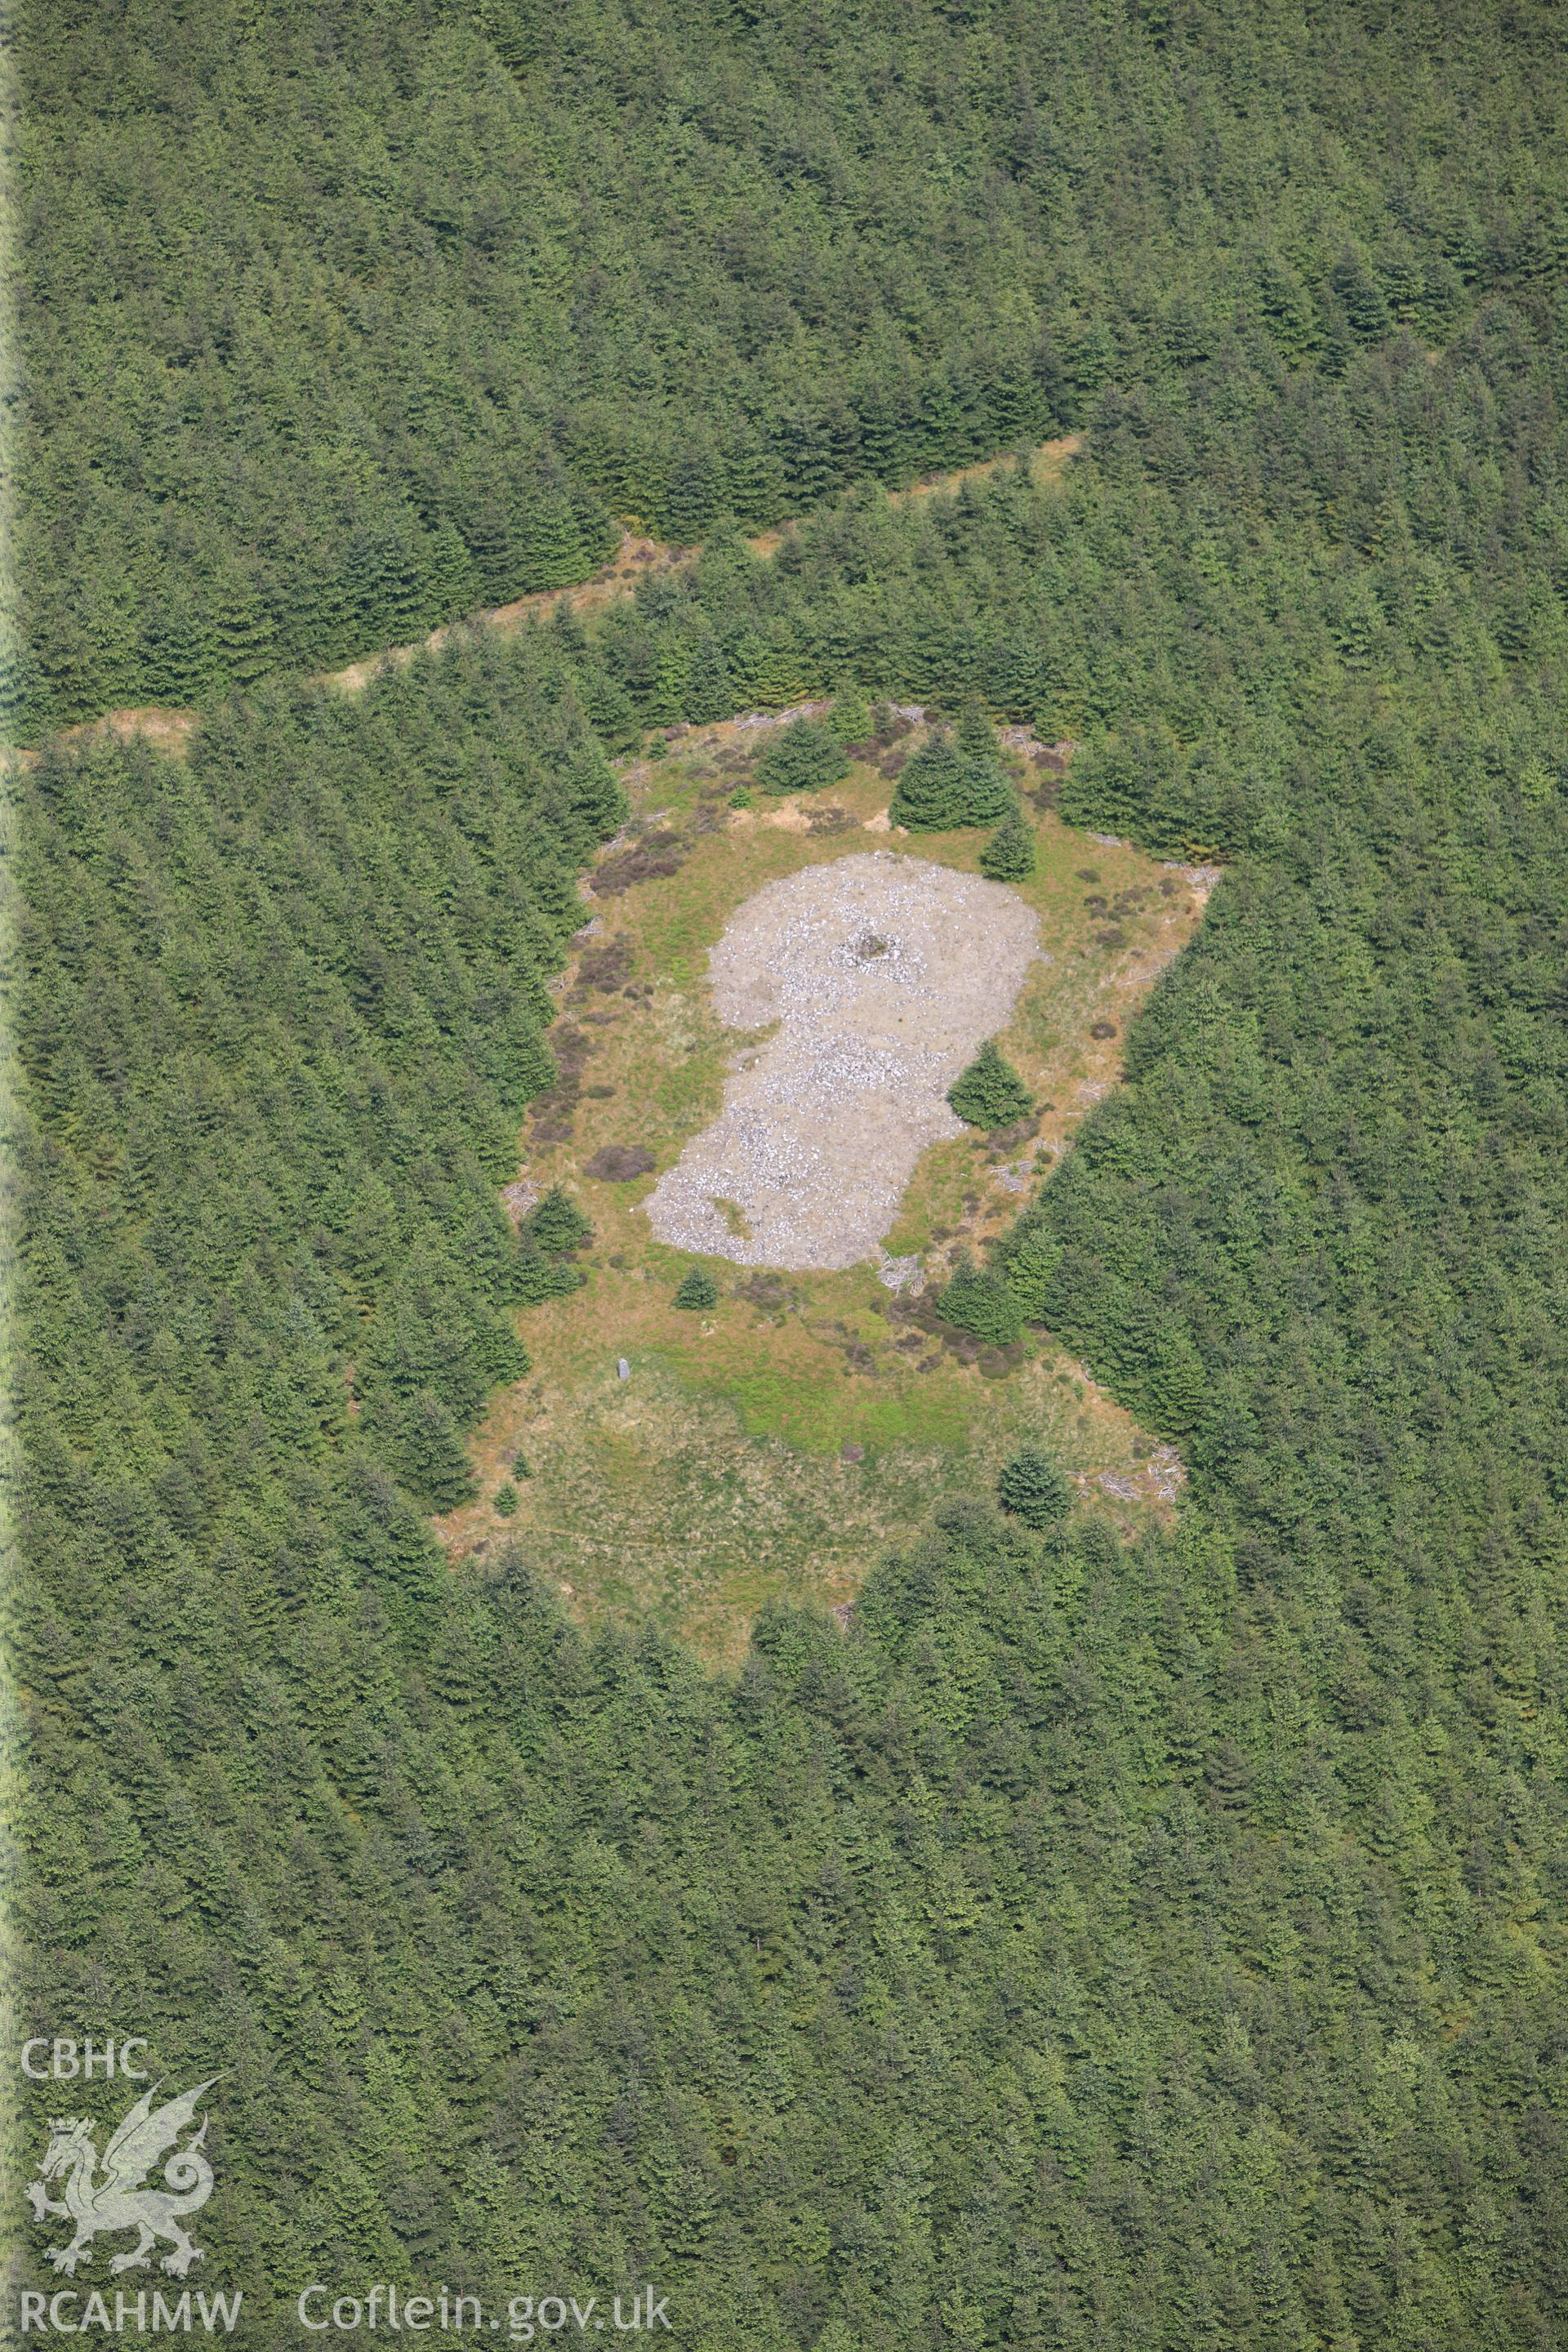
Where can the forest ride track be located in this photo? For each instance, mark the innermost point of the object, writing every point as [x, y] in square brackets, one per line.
[636, 558]
[169, 728]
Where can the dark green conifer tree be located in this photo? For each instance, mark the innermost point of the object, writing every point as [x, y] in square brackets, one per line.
[424, 1445]
[1032, 1489]
[489, 534]
[801, 758]
[177, 649]
[974, 735]
[710, 691]
[1009, 854]
[553, 554]
[930, 795]
[558, 1225]
[695, 498]
[991, 1094]
[598, 531]
[243, 630]
[943, 787]
[849, 721]
[979, 1302]
[754, 487]
[451, 578]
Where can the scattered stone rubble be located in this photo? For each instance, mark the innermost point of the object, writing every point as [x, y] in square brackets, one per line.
[1160, 1478]
[518, 1198]
[884, 975]
[1167, 1473]
[899, 1275]
[764, 718]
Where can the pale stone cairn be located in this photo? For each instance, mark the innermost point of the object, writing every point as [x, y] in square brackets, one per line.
[880, 976]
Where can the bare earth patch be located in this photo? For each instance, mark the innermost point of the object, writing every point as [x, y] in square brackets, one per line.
[884, 975]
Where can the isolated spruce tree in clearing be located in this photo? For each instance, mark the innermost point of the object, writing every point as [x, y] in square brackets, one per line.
[940, 788]
[698, 1289]
[1034, 1489]
[802, 758]
[558, 1224]
[991, 1094]
[988, 794]
[1009, 854]
[979, 1302]
[506, 1501]
[930, 796]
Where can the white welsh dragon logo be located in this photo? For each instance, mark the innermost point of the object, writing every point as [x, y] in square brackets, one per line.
[118, 2199]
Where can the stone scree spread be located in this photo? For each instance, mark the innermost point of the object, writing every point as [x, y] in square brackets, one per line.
[884, 975]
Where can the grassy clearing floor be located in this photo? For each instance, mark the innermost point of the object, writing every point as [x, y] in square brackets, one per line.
[714, 1478]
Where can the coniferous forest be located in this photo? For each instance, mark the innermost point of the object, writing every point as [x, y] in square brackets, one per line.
[1091, 1946]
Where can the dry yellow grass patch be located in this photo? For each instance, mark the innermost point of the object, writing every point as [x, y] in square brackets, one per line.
[1047, 463]
[635, 558]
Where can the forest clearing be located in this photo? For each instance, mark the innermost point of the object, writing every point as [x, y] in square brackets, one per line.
[773, 1446]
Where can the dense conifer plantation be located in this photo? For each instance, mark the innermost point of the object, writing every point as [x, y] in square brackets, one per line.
[340, 316]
